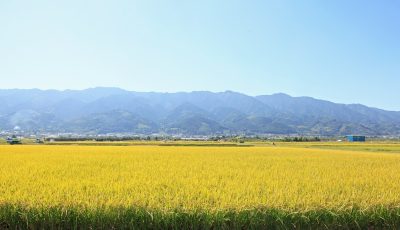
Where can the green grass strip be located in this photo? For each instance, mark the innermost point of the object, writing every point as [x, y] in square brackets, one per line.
[18, 217]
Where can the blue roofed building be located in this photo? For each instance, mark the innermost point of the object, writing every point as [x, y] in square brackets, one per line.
[354, 138]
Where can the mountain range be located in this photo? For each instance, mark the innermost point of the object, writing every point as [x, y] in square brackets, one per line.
[114, 110]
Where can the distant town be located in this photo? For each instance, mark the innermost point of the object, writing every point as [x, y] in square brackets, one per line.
[16, 137]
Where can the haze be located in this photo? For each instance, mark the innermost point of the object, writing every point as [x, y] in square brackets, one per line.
[342, 51]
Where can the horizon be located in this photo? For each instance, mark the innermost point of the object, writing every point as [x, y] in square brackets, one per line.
[341, 51]
[194, 91]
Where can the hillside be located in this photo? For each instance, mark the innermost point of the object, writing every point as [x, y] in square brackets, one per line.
[113, 110]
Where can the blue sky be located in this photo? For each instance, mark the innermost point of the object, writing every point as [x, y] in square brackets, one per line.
[343, 51]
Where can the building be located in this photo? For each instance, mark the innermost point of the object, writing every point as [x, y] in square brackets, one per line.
[353, 138]
[14, 140]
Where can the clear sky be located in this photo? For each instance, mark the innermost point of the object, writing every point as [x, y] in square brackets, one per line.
[343, 51]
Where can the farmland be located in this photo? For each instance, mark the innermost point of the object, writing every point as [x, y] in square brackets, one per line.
[150, 186]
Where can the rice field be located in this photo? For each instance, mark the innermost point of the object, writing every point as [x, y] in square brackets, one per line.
[158, 187]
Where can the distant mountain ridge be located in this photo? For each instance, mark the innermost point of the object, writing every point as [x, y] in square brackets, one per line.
[114, 110]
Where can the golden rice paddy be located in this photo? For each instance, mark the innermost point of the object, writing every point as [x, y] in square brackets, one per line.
[197, 179]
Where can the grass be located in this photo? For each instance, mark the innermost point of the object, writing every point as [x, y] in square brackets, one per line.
[151, 143]
[134, 218]
[393, 147]
[159, 187]
[146, 143]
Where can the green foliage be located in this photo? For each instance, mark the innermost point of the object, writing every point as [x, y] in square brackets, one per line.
[18, 217]
[301, 139]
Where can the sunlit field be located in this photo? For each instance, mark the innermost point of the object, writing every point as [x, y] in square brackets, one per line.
[197, 187]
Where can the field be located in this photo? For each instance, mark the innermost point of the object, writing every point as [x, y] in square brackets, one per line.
[200, 187]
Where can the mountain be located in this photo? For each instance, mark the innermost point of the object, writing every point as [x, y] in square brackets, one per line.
[114, 110]
[189, 119]
[115, 121]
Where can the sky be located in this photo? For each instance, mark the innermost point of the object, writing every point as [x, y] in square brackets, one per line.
[343, 51]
